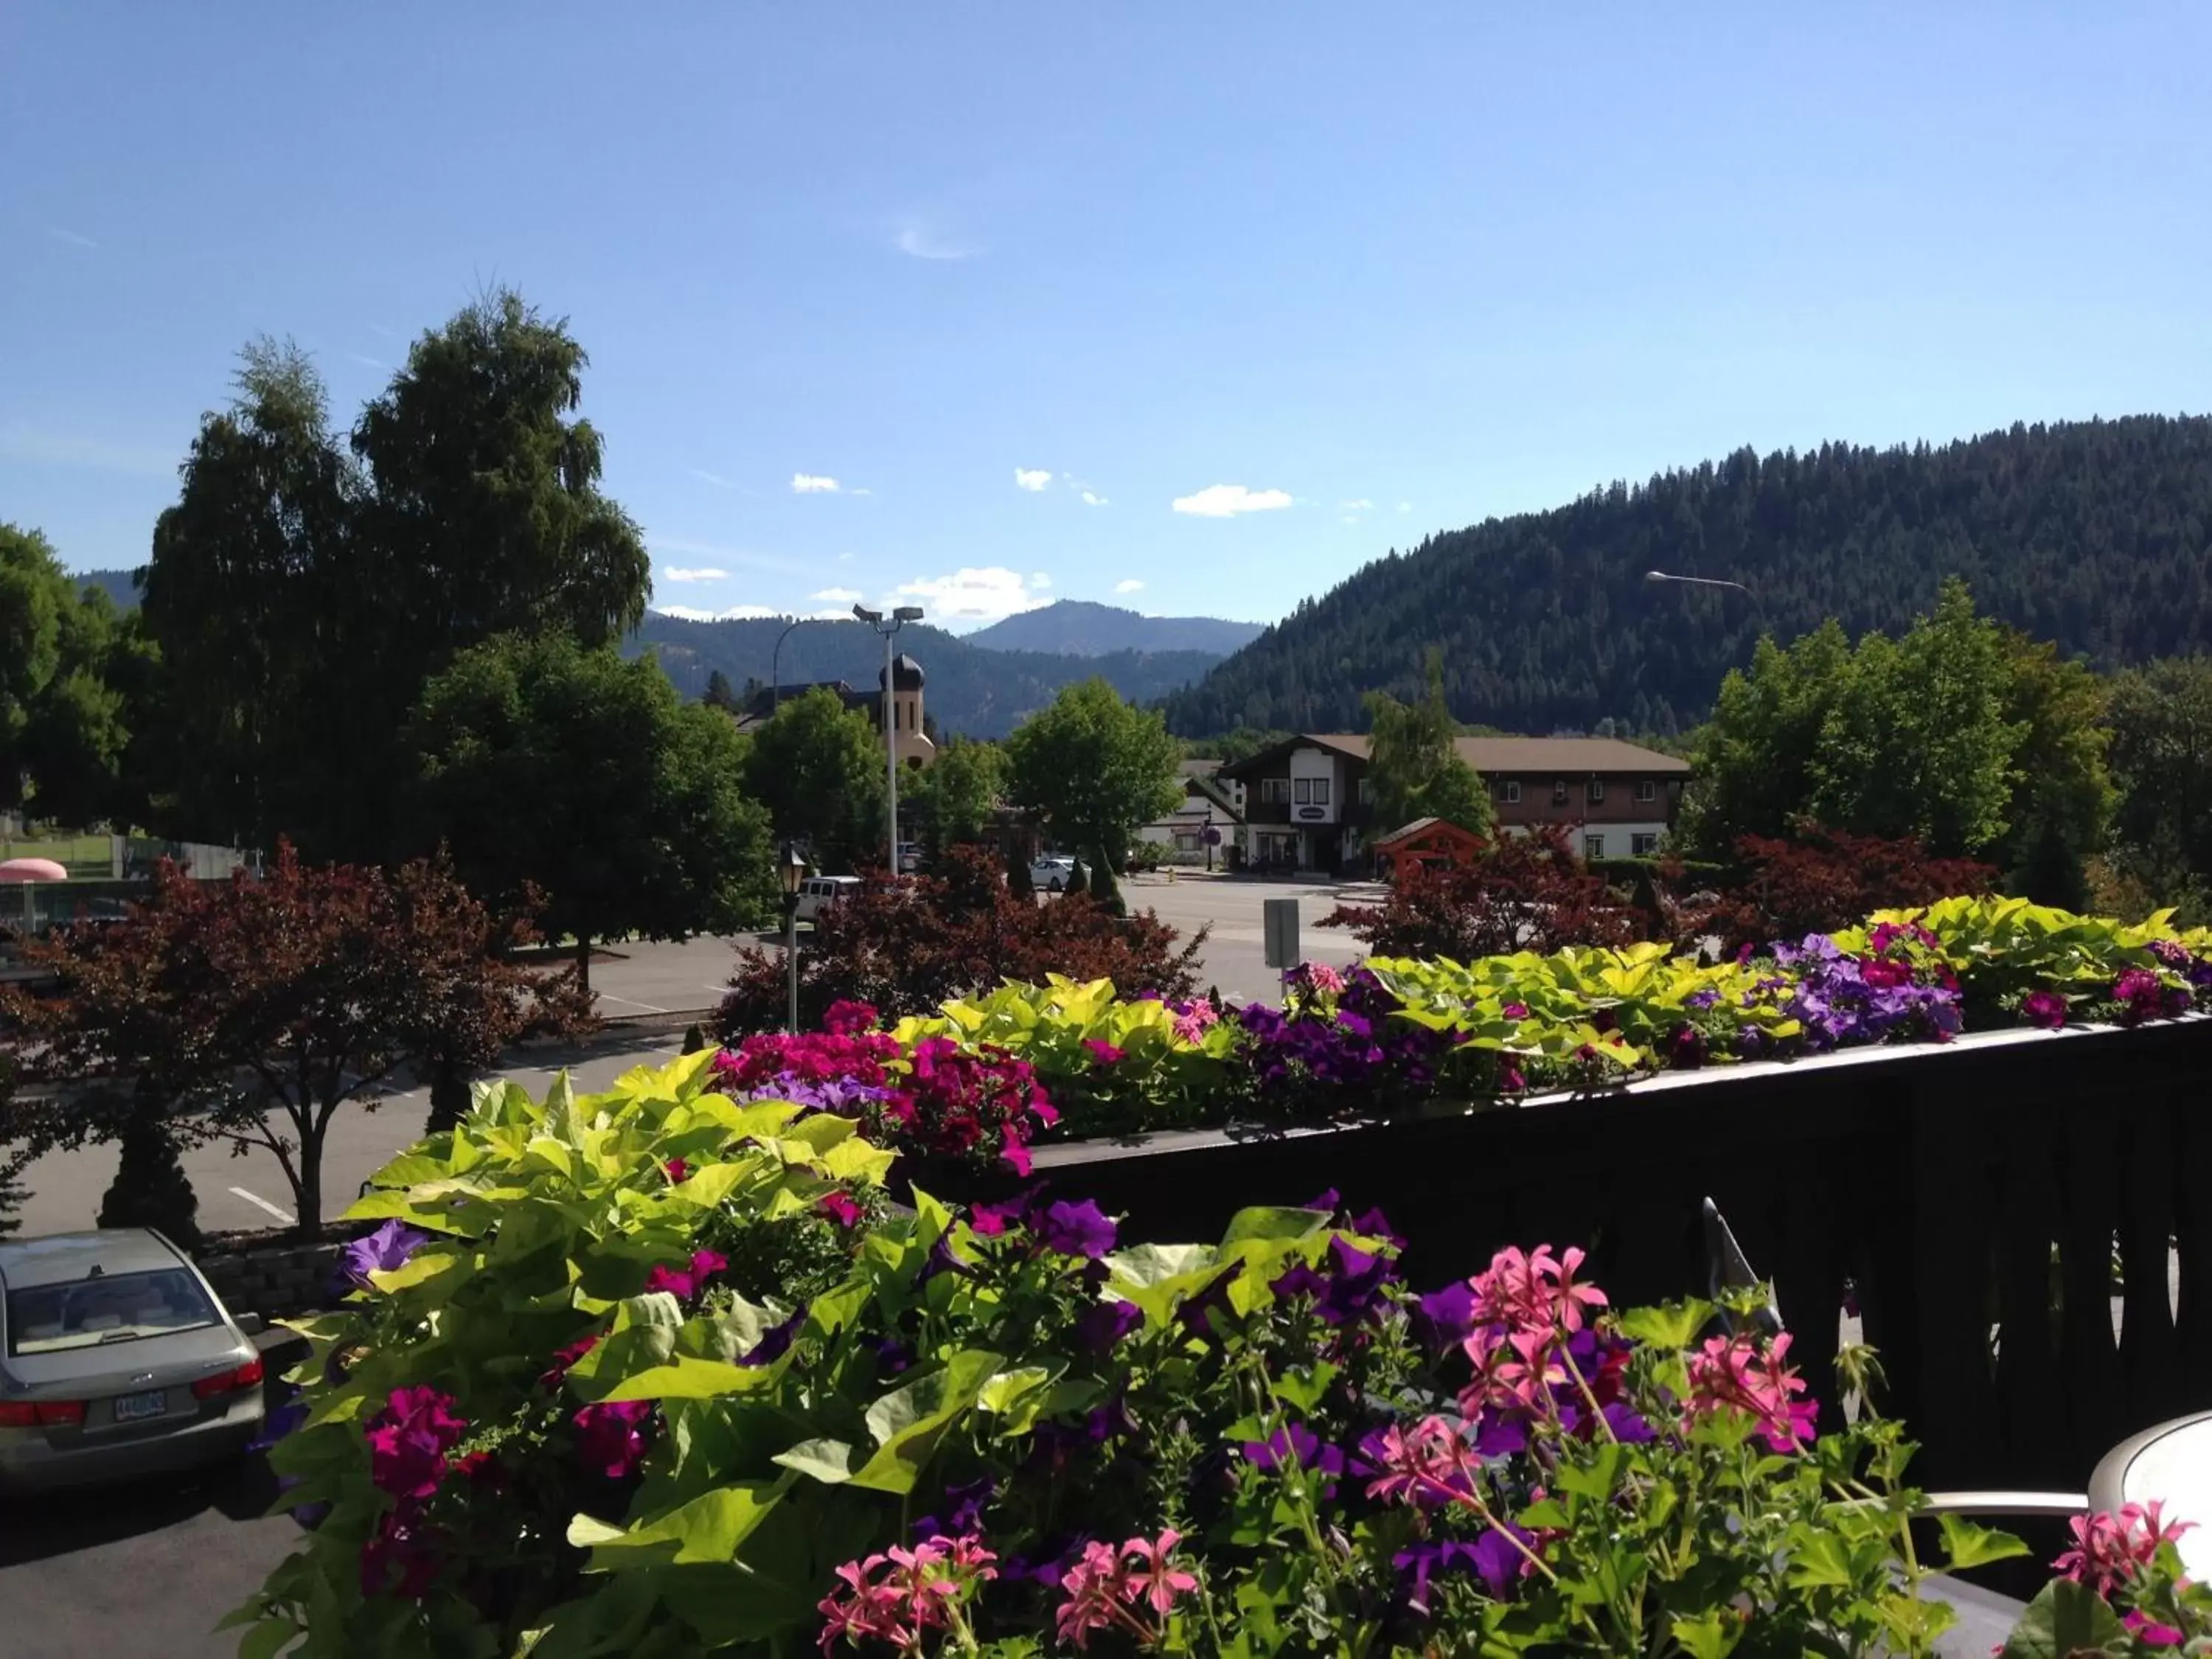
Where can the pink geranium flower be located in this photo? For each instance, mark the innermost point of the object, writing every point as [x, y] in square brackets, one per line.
[2111, 1551]
[1734, 1374]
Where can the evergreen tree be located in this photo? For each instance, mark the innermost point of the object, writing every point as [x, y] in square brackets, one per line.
[1019, 882]
[1105, 891]
[1078, 879]
[150, 1188]
[1414, 769]
[718, 694]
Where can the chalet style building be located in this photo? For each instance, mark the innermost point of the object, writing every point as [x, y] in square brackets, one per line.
[1309, 805]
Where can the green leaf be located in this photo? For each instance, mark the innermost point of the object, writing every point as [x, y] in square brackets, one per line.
[686, 1378]
[1595, 1475]
[1674, 1324]
[1266, 1223]
[1711, 1635]
[708, 1528]
[1966, 1545]
[2066, 1617]
[1818, 1560]
[829, 1461]
[908, 1422]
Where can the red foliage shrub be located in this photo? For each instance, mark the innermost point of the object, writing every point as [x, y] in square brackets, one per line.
[1524, 893]
[1822, 879]
[908, 946]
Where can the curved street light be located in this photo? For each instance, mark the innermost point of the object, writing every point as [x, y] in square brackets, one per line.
[775, 667]
[1693, 581]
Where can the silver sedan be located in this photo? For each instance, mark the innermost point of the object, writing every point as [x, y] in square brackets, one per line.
[117, 1360]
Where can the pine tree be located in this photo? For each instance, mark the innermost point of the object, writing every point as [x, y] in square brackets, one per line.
[151, 1189]
[1104, 891]
[1019, 882]
[1078, 879]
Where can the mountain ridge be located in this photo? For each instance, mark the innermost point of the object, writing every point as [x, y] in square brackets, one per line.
[1084, 628]
[2095, 534]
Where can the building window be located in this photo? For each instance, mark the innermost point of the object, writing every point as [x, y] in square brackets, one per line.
[1558, 792]
[1302, 790]
[1321, 792]
[1512, 787]
[1275, 792]
[1592, 847]
[1643, 844]
[1647, 789]
[1596, 790]
[1367, 791]
[1187, 842]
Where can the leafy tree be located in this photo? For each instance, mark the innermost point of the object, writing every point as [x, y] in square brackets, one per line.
[2062, 797]
[13, 1160]
[1893, 739]
[819, 768]
[268, 718]
[2160, 719]
[953, 798]
[1523, 893]
[251, 1011]
[1821, 879]
[553, 770]
[1093, 767]
[1414, 769]
[62, 722]
[718, 694]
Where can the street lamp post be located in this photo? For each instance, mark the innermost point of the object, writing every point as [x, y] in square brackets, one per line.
[1693, 581]
[776, 668]
[889, 629]
[791, 865]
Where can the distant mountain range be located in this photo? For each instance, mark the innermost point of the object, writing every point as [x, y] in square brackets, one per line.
[2096, 534]
[978, 692]
[119, 586]
[1078, 628]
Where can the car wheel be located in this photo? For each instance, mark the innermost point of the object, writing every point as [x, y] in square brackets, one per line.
[1055, 884]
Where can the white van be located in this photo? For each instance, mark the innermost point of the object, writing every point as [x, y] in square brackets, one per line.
[817, 891]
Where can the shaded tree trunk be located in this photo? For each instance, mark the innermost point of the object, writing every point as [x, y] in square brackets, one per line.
[584, 961]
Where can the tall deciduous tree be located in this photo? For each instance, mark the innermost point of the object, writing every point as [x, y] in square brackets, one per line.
[553, 769]
[1095, 767]
[819, 768]
[2160, 718]
[2061, 810]
[253, 1010]
[1895, 737]
[1414, 769]
[65, 665]
[952, 801]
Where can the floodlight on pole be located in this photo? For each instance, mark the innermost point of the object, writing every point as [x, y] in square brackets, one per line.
[1693, 581]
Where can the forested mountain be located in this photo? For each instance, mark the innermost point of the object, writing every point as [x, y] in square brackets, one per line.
[1081, 628]
[981, 693]
[2094, 534]
[120, 586]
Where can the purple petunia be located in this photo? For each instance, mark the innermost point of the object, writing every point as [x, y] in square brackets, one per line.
[961, 1511]
[1442, 1319]
[2044, 1008]
[610, 1436]
[775, 1341]
[1296, 1446]
[1101, 1326]
[1076, 1230]
[382, 1251]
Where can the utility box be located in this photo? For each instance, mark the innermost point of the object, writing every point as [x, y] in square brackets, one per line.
[1282, 923]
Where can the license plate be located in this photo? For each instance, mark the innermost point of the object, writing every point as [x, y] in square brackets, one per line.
[138, 1407]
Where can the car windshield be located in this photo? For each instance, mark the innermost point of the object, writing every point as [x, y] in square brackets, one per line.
[84, 1313]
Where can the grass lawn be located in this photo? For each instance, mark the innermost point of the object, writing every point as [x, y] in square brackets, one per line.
[80, 856]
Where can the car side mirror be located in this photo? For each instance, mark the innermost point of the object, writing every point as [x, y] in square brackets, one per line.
[251, 1324]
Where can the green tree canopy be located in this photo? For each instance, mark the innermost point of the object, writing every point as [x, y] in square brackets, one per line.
[1093, 767]
[2160, 721]
[2061, 810]
[1910, 737]
[302, 591]
[1414, 767]
[549, 766]
[64, 663]
[953, 798]
[819, 768]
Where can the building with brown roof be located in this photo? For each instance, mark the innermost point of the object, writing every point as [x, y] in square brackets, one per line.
[1309, 805]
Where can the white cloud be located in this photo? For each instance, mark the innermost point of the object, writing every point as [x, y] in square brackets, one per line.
[838, 595]
[831, 613]
[1093, 498]
[733, 613]
[1127, 584]
[920, 239]
[714, 478]
[70, 237]
[701, 573]
[863, 491]
[1031, 479]
[1038, 579]
[1227, 501]
[1362, 506]
[844, 558]
[1404, 507]
[972, 595]
[813, 484]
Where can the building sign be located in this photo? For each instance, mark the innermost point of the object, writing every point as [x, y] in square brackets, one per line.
[1312, 811]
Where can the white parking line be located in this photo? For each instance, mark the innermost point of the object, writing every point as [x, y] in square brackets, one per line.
[631, 1002]
[282, 1215]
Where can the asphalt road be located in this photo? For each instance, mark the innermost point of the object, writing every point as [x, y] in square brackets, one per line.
[144, 1569]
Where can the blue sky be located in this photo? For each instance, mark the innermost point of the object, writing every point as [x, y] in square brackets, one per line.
[1192, 308]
